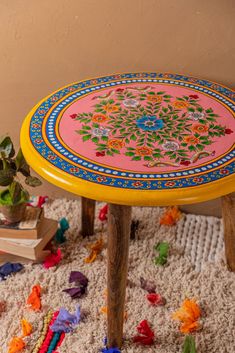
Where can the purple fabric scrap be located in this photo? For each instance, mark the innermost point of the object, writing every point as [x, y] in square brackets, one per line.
[149, 286]
[76, 276]
[75, 292]
[8, 268]
[66, 322]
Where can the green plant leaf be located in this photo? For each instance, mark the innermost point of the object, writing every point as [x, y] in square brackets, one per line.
[21, 164]
[15, 192]
[33, 181]
[6, 147]
[6, 177]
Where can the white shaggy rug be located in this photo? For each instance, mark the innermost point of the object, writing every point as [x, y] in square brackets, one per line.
[195, 269]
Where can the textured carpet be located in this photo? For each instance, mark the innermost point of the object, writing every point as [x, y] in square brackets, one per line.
[195, 269]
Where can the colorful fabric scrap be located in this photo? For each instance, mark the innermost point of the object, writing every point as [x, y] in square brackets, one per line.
[37, 201]
[16, 345]
[52, 259]
[188, 314]
[34, 299]
[46, 322]
[103, 213]
[189, 345]
[26, 328]
[171, 216]
[81, 282]
[162, 248]
[8, 268]
[66, 322]
[148, 285]
[109, 350]
[95, 249]
[155, 299]
[146, 335]
[63, 227]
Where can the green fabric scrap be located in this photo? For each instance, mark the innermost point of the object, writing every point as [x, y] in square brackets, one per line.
[189, 345]
[59, 236]
[162, 248]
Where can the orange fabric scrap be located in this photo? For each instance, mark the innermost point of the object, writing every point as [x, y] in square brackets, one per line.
[171, 216]
[95, 249]
[34, 299]
[188, 314]
[16, 345]
[26, 327]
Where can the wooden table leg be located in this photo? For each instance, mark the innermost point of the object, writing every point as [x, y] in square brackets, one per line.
[119, 221]
[88, 217]
[228, 213]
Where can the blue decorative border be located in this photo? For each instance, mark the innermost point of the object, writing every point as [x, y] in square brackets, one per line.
[114, 177]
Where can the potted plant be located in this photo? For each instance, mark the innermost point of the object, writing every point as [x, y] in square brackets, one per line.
[14, 197]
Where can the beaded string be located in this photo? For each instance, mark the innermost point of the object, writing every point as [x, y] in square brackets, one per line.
[46, 322]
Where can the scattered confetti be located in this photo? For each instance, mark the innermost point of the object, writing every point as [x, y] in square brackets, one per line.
[8, 268]
[34, 299]
[95, 249]
[149, 286]
[162, 248]
[75, 292]
[155, 299]
[171, 216]
[52, 259]
[76, 276]
[189, 345]
[146, 335]
[37, 201]
[188, 314]
[63, 227]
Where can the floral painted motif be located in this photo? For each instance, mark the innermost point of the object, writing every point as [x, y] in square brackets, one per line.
[151, 126]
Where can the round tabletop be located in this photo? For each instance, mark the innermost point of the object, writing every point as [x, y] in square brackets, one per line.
[135, 139]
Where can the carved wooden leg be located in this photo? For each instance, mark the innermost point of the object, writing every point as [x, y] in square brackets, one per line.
[119, 221]
[88, 217]
[228, 212]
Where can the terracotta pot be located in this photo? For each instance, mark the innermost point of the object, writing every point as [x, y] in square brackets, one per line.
[13, 213]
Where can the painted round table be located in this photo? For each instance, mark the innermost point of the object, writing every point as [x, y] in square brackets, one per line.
[138, 139]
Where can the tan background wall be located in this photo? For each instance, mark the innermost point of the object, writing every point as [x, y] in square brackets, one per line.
[48, 43]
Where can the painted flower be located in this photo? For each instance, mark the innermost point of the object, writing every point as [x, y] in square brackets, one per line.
[180, 104]
[228, 131]
[143, 151]
[100, 132]
[110, 108]
[197, 180]
[130, 103]
[73, 116]
[38, 141]
[195, 115]
[51, 157]
[149, 123]
[193, 96]
[35, 126]
[115, 143]
[42, 111]
[54, 99]
[154, 98]
[170, 146]
[137, 183]
[191, 139]
[101, 179]
[99, 118]
[74, 169]
[119, 90]
[100, 154]
[224, 171]
[200, 128]
[185, 163]
[170, 183]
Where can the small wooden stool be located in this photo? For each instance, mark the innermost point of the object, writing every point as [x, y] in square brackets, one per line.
[138, 139]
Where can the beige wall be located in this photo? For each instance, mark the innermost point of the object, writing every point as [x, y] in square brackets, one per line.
[48, 43]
